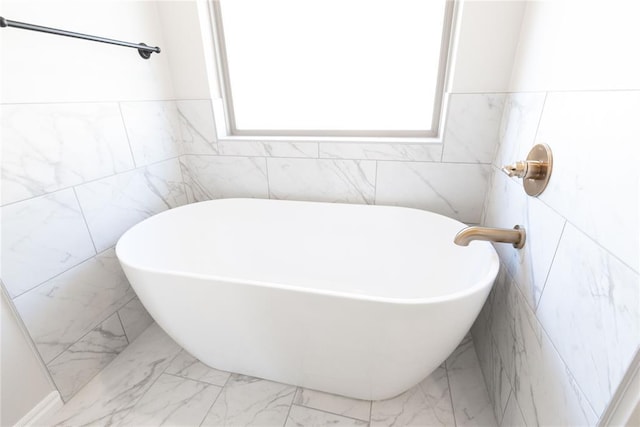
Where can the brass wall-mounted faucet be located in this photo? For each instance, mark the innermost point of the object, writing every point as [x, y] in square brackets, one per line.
[516, 236]
[535, 171]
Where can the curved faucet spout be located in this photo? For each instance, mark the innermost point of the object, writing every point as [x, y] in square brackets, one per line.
[516, 236]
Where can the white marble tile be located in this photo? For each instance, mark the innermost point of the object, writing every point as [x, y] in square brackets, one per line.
[47, 147]
[590, 310]
[427, 152]
[197, 127]
[153, 128]
[269, 149]
[512, 415]
[340, 405]
[495, 376]
[251, 401]
[427, 404]
[325, 180]
[472, 127]
[112, 205]
[187, 366]
[84, 359]
[471, 404]
[59, 312]
[518, 127]
[117, 388]
[585, 130]
[214, 177]
[41, 238]
[454, 190]
[172, 401]
[300, 416]
[543, 385]
[135, 319]
[508, 205]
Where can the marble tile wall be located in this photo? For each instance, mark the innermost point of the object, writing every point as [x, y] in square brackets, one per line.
[75, 176]
[562, 323]
[450, 178]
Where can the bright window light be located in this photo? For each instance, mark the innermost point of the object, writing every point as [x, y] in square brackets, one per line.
[323, 67]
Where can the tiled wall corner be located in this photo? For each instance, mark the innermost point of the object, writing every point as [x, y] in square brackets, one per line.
[70, 189]
[562, 320]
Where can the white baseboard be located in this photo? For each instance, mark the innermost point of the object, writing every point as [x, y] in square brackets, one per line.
[41, 414]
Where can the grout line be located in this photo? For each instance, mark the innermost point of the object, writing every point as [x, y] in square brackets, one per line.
[117, 313]
[375, 185]
[266, 168]
[290, 406]
[553, 260]
[453, 410]
[84, 219]
[333, 413]
[504, 411]
[51, 278]
[126, 132]
[217, 397]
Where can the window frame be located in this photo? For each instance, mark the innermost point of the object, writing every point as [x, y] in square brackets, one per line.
[225, 107]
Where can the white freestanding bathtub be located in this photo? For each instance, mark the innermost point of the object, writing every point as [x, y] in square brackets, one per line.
[361, 301]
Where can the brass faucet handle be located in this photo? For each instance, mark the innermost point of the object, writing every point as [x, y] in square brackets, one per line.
[535, 171]
[518, 169]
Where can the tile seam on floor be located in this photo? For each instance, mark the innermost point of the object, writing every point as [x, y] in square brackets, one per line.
[331, 413]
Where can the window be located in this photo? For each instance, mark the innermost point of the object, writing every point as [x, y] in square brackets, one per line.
[333, 67]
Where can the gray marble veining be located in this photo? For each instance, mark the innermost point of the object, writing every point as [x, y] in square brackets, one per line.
[472, 127]
[216, 177]
[599, 335]
[454, 190]
[113, 205]
[65, 308]
[48, 147]
[135, 319]
[197, 127]
[109, 397]
[41, 238]
[468, 388]
[428, 403]
[326, 180]
[423, 152]
[88, 356]
[153, 128]
[251, 401]
[269, 149]
[172, 401]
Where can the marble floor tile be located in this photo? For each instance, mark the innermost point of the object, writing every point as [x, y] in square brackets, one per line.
[299, 416]
[512, 415]
[340, 405]
[427, 404]
[251, 401]
[471, 403]
[154, 382]
[134, 318]
[187, 366]
[110, 395]
[172, 401]
[84, 359]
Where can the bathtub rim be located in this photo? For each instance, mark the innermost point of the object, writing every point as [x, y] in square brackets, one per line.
[485, 281]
